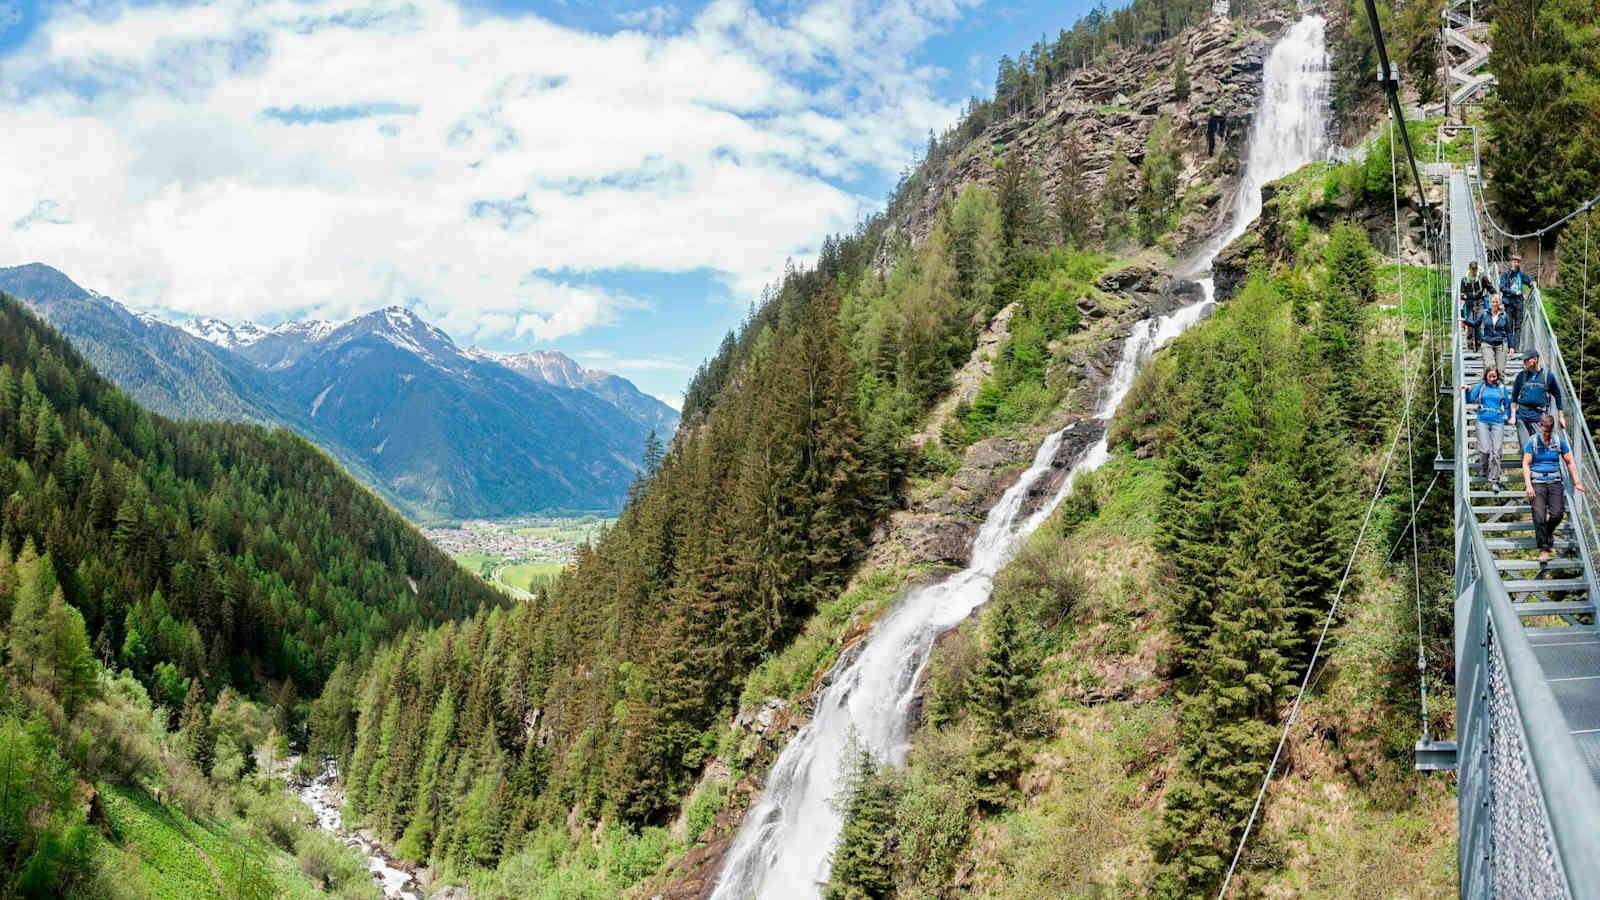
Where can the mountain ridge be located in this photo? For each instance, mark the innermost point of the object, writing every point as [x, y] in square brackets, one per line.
[439, 431]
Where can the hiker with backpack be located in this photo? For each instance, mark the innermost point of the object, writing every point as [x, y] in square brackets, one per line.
[1514, 284]
[1474, 288]
[1542, 458]
[1531, 395]
[1494, 413]
[1494, 330]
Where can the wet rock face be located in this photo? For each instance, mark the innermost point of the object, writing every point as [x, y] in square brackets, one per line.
[1260, 242]
[1077, 440]
[1154, 293]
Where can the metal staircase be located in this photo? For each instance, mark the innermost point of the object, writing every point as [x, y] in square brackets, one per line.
[1465, 54]
[1527, 645]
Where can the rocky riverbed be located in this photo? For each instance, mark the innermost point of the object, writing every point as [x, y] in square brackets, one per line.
[325, 797]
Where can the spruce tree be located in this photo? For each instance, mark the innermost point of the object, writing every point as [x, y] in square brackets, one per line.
[1158, 176]
[1115, 200]
[1230, 725]
[1074, 206]
[864, 858]
[194, 729]
[1180, 77]
[1576, 310]
[1002, 692]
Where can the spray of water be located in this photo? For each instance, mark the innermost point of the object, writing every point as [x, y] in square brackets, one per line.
[783, 849]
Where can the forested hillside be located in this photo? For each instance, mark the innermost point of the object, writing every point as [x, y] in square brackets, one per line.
[197, 577]
[226, 553]
[1105, 726]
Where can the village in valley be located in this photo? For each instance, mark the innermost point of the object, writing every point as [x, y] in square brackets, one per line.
[521, 554]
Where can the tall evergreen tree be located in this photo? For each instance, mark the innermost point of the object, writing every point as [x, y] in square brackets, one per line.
[1074, 206]
[1115, 200]
[1158, 180]
[1544, 139]
[864, 858]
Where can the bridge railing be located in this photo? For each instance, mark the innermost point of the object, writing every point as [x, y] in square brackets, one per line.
[1584, 455]
[1528, 809]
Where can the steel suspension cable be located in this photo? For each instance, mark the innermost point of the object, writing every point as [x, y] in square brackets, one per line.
[1583, 333]
[1411, 447]
[1294, 709]
[1585, 207]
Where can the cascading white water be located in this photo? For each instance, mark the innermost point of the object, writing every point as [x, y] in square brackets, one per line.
[1290, 128]
[784, 847]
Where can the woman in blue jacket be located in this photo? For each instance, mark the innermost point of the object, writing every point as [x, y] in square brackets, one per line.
[1494, 411]
[1541, 475]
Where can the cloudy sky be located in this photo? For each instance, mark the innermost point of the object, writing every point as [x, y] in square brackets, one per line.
[616, 180]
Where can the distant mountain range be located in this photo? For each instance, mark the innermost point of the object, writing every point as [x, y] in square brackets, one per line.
[439, 431]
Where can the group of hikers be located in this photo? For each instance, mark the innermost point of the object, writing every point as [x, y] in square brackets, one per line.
[1525, 403]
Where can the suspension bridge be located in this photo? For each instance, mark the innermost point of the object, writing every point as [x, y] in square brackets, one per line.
[1527, 633]
[1527, 647]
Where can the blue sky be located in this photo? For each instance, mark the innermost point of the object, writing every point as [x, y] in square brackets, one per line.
[616, 180]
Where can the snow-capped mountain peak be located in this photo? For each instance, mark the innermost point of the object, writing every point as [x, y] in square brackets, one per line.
[548, 366]
[224, 335]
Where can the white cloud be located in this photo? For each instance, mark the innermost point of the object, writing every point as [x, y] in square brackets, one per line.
[254, 159]
[651, 18]
[608, 360]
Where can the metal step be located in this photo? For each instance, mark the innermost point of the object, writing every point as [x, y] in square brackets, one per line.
[1532, 585]
[1527, 543]
[1518, 565]
[1555, 608]
[1491, 527]
[1508, 509]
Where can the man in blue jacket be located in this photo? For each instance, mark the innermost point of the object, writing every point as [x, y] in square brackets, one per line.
[1531, 396]
[1514, 284]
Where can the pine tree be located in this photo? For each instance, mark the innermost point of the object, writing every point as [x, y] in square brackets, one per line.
[1158, 177]
[1115, 200]
[864, 858]
[1180, 77]
[1073, 203]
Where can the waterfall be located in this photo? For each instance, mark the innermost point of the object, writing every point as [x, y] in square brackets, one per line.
[1290, 128]
[784, 848]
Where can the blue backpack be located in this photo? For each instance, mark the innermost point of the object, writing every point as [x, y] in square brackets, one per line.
[1535, 392]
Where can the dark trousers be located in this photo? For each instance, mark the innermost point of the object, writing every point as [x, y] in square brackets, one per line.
[1474, 311]
[1514, 319]
[1549, 506]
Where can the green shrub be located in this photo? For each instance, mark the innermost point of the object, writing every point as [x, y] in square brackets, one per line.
[703, 809]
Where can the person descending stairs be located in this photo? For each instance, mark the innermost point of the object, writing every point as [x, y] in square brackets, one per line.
[1555, 585]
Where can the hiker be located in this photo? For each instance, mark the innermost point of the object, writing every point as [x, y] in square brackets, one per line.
[1494, 413]
[1494, 330]
[1473, 289]
[1541, 476]
[1531, 395]
[1514, 284]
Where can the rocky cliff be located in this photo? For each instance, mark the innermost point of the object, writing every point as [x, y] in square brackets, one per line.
[1111, 107]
